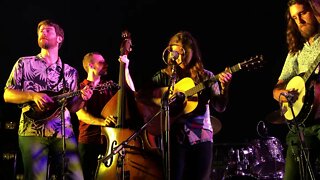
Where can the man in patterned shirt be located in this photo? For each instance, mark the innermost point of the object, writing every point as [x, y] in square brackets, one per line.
[36, 84]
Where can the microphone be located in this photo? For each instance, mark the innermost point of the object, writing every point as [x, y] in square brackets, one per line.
[288, 96]
[170, 56]
[174, 55]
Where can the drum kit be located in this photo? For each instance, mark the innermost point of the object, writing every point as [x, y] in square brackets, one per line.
[261, 159]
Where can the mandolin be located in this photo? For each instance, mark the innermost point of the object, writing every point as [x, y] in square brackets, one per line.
[53, 109]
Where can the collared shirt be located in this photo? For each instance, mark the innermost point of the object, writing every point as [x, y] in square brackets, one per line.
[301, 62]
[32, 73]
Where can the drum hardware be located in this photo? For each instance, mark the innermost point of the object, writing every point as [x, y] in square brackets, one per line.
[261, 159]
[262, 130]
[239, 161]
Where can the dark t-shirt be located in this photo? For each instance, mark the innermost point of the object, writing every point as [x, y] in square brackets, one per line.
[91, 134]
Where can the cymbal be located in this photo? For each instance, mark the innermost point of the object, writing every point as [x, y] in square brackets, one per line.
[216, 124]
[275, 117]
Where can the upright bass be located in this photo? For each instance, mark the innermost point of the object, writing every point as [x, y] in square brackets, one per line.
[125, 159]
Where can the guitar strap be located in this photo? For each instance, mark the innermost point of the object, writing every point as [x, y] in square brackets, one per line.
[61, 77]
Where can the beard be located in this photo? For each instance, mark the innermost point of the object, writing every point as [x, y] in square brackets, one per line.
[46, 43]
[308, 30]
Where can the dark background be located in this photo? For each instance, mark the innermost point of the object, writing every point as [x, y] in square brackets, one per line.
[228, 32]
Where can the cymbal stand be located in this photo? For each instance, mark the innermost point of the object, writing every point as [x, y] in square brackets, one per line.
[302, 158]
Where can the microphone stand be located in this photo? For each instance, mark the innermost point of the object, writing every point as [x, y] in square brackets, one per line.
[165, 115]
[64, 162]
[302, 157]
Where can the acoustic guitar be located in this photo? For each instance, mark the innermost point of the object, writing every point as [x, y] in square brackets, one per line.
[184, 98]
[36, 114]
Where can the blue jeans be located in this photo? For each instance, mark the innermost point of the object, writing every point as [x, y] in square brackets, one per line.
[36, 151]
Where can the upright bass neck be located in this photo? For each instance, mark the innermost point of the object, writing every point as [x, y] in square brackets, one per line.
[121, 103]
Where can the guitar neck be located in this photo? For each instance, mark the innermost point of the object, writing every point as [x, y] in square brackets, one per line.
[99, 87]
[313, 66]
[210, 81]
[67, 95]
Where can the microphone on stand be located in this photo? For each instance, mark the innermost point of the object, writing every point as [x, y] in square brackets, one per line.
[287, 95]
[173, 56]
[290, 97]
[170, 56]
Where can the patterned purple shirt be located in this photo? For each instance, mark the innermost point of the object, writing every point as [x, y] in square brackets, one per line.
[34, 74]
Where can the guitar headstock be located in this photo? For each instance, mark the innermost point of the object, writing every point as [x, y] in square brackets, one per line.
[253, 63]
[126, 45]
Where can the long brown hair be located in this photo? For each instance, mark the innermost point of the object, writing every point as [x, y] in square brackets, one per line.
[195, 68]
[295, 40]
